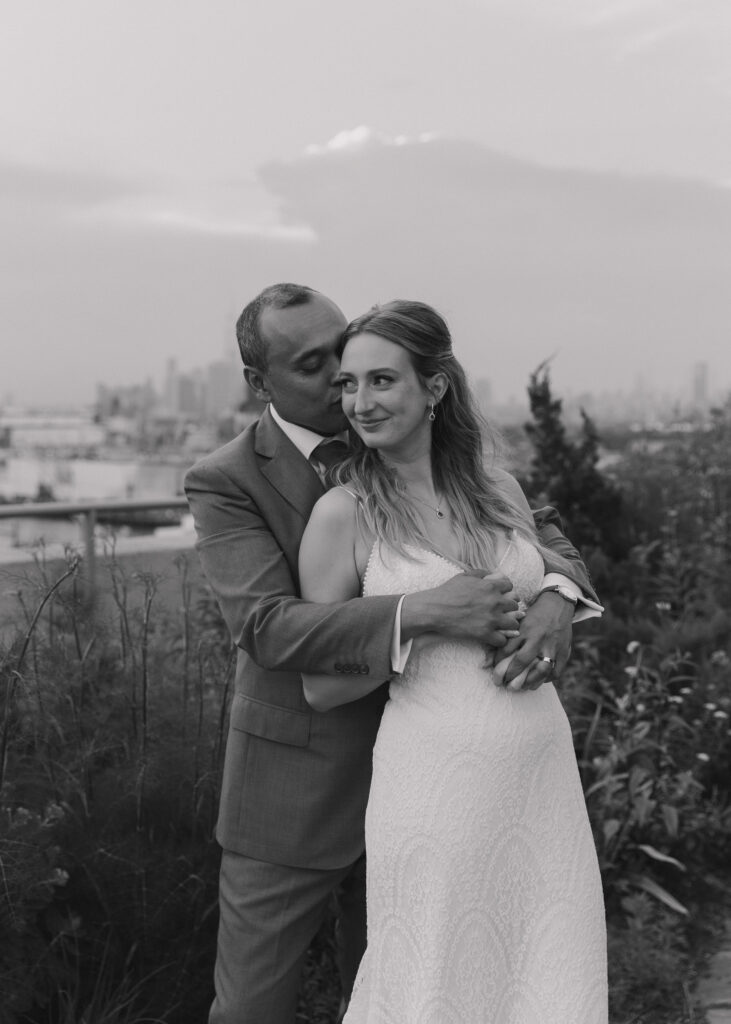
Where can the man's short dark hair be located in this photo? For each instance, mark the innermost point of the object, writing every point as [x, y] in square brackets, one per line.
[252, 345]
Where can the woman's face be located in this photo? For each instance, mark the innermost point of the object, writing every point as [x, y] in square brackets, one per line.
[383, 396]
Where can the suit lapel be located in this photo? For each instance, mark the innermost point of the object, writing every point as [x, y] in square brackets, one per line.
[286, 469]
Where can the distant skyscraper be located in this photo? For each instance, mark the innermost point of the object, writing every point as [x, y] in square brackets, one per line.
[700, 387]
[171, 387]
[224, 388]
[188, 392]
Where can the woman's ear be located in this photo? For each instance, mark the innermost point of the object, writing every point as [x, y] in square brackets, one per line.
[437, 386]
[257, 382]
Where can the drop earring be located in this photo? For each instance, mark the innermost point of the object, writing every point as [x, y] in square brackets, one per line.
[432, 414]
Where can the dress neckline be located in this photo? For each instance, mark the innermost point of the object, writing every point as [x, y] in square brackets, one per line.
[462, 566]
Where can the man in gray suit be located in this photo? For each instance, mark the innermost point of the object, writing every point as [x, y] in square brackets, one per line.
[295, 782]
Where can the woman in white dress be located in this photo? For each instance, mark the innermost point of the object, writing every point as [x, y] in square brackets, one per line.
[484, 895]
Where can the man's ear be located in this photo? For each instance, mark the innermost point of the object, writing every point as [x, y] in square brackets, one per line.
[257, 382]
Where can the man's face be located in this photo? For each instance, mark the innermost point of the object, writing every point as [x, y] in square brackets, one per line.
[303, 364]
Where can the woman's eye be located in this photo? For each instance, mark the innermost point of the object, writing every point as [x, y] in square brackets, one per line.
[348, 386]
[382, 380]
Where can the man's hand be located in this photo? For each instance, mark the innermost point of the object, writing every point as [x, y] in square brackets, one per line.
[469, 606]
[545, 633]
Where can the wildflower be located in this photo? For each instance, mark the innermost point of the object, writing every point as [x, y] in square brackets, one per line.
[640, 708]
[675, 700]
[720, 659]
[54, 813]
[23, 816]
[663, 606]
[59, 877]
[631, 671]
[686, 690]
[73, 924]
[632, 646]
[710, 706]
[703, 757]
[720, 714]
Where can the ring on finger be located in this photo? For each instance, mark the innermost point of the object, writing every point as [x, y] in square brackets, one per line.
[544, 657]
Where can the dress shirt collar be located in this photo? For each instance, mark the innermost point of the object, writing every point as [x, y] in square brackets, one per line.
[304, 440]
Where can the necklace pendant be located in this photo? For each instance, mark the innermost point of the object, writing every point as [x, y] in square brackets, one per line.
[440, 514]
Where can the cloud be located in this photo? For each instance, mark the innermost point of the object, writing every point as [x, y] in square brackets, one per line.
[652, 38]
[51, 199]
[608, 12]
[179, 219]
[623, 274]
[638, 26]
[362, 137]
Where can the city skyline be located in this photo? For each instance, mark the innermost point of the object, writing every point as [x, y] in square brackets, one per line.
[207, 390]
[209, 393]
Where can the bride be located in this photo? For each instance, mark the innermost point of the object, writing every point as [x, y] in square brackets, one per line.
[484, 895]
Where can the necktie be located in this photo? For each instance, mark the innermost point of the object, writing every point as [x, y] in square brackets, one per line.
[330, 454]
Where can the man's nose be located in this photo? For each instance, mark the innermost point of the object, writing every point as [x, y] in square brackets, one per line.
[334, 369]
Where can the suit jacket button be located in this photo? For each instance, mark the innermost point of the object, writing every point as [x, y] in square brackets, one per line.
[364, 670]
[338, 667]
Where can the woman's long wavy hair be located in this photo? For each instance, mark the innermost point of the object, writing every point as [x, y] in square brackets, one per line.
[482, 512]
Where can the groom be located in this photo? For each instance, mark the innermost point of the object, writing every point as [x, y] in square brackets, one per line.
[295, 782]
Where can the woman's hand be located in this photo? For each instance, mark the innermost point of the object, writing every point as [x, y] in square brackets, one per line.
[540, 651]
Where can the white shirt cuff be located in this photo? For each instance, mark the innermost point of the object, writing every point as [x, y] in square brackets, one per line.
[585, 608]
[399, 652]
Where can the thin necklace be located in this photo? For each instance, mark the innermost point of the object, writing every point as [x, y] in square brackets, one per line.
[434, 508]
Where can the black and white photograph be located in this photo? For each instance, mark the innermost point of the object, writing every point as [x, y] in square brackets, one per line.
[365, 512]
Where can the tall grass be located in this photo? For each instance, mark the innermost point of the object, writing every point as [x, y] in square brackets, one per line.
[112, 737]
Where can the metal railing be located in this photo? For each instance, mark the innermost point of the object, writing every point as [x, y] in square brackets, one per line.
[87, 511]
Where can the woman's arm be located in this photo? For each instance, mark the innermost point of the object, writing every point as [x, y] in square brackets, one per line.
[545, 630]
[328, 569]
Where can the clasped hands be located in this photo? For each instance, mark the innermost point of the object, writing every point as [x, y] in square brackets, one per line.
[537, 646]
[524, 648]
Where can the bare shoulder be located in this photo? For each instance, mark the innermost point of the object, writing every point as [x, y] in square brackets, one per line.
[510, 487]
[333, 519]
[336, 530]
[335, 506]
[327, 559]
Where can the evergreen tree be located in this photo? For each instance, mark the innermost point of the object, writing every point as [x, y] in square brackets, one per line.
[564, 473]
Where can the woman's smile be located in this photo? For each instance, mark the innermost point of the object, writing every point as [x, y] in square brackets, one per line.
[369, 425]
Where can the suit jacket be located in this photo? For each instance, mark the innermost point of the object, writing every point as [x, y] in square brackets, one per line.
[295, 781]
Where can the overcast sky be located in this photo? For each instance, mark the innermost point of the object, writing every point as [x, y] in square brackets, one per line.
[162, 160]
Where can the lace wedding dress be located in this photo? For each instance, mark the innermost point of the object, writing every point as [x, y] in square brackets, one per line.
[484, 896]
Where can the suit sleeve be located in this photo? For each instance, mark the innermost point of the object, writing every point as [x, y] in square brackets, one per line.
[550, 530]
[258, 596]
